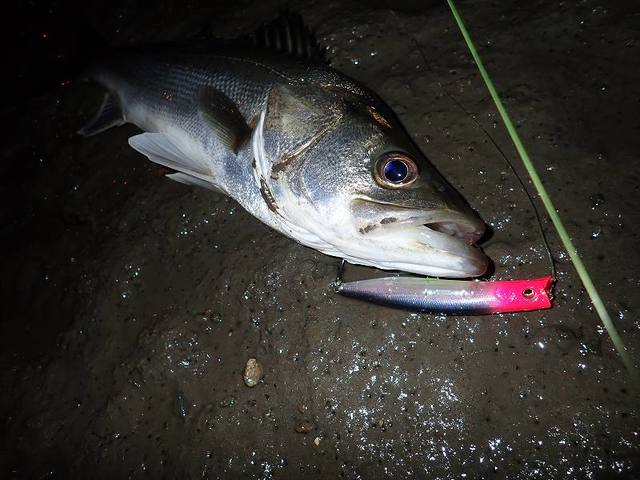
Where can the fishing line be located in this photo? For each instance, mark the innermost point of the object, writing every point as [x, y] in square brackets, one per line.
[543, 236]
[340, 274]
[596, 300]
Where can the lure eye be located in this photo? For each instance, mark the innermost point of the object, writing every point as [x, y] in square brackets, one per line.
[395, 170]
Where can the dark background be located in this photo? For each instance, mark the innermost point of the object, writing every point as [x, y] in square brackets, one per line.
[131, 304]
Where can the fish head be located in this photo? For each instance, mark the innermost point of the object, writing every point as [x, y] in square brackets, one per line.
[343, 176]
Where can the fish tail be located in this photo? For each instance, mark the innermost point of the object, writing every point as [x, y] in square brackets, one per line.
[108, 115]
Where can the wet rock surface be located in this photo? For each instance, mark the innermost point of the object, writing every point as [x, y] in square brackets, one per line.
[131, 303]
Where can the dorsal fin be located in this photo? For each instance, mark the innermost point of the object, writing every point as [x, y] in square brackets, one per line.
[288, 34]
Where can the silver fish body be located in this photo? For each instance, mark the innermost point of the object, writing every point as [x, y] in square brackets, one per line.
[300, 146]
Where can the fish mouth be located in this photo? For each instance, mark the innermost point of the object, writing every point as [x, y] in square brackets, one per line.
[435, 242]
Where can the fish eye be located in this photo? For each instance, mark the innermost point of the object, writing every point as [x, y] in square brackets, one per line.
[395, 170]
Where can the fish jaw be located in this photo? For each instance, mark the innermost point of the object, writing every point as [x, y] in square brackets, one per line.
[417, 249]
[407, 245]
[435, 242]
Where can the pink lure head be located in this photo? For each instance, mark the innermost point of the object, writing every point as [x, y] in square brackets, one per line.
[521, 295]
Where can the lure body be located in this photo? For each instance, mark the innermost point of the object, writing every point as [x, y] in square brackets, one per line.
[453, 296]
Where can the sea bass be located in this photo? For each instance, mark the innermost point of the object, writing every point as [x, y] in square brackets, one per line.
[302, 147]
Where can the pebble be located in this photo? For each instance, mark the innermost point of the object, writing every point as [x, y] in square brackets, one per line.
[252, 373]
[304, 427]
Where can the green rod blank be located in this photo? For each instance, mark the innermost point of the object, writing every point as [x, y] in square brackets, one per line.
[596, 300]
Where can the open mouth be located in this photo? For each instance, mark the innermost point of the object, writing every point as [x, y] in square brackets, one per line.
[464, 226]
[441, 240]
[448, 248]
[468, 232]
[450, 223]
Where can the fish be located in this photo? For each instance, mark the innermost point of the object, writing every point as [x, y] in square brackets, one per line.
[453, 297]
[305, 149]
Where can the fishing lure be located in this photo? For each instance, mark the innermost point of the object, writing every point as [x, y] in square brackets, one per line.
[453, 296]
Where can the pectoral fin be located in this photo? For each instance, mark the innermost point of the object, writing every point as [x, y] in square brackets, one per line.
[224, 118]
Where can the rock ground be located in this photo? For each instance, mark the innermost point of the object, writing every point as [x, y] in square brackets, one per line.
[132, 303]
